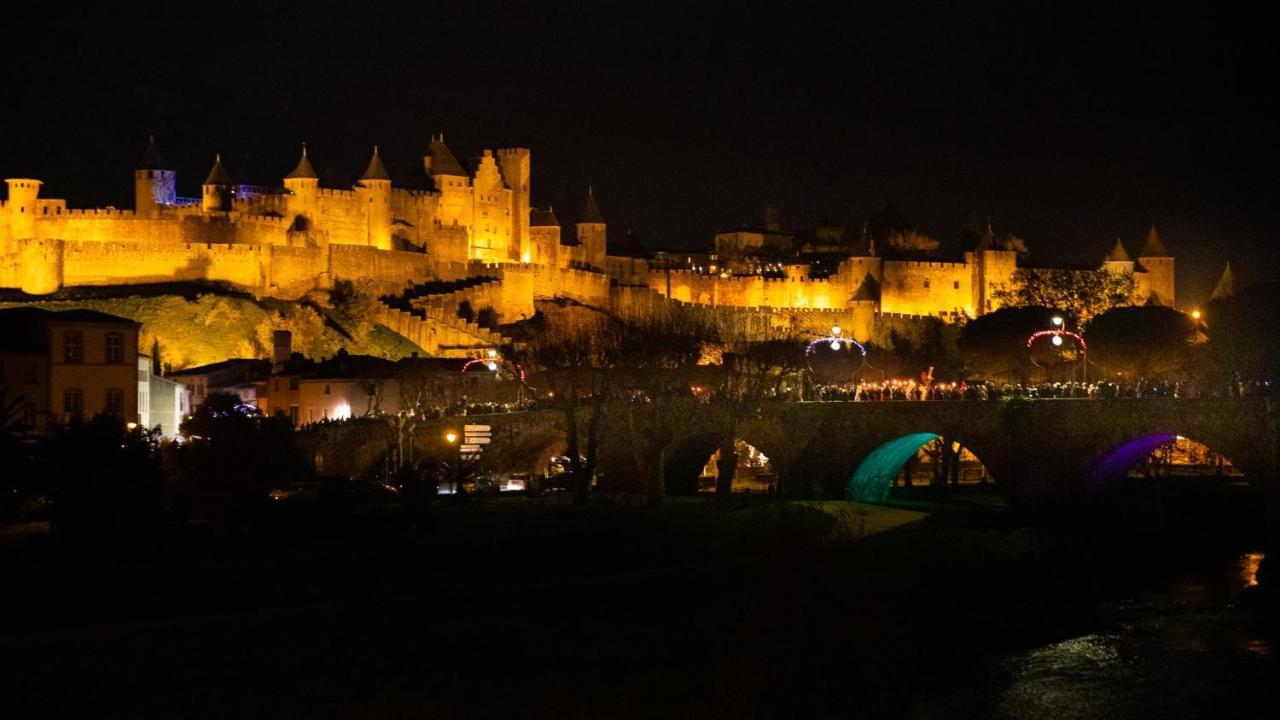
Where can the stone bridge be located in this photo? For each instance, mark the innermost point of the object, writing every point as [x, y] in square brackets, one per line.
[1037, 450]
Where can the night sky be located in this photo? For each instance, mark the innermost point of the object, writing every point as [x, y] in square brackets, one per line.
[1070, 130]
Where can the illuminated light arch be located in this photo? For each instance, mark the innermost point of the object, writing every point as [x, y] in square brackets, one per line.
[877, 472]
[836, 342]
[516, 368]
[1059, 333]
[1109, 473]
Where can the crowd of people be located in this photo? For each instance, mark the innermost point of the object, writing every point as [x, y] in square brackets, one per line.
[908, 390]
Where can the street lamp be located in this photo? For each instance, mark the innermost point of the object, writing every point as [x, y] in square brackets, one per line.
[1057, 341]
[451, 437]
[1195, 314]
[1057, 322]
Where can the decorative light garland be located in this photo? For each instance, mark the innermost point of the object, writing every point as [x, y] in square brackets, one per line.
[491, 364]
[835, 342]
[1058, 334]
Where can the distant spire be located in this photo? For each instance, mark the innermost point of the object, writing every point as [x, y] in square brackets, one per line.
[591, 210]
[543, 218]
[151, 159]
[376, 170]
[1154, 246]
[218, 175]
[1226, 285]
[988, 239]
[303, 171]
[1118, 253]
[866, 245]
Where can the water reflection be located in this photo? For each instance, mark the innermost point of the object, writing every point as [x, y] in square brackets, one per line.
[1184, 650]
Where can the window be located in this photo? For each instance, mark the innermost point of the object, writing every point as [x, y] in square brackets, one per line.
[293, 383]
[115, 348]
[293, 415]
[956, 285]
[72, 402]
[926, 283]
[73, 347]
[114, 404]
[327, 390]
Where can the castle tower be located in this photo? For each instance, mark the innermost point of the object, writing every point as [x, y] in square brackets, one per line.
[591, 232]
[303, 186]
[1158, 266]
[216, 191]
[544, 237]
[1118, 260]
[22, 207]
[374, 190]
[515, 166]
[456, 206]
[993, 266]
[154, 182]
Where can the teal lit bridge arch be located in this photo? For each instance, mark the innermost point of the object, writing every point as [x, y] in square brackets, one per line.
[875, 475]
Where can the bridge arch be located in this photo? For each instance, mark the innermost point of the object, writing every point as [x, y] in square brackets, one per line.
[1108, 473]
[879, 469]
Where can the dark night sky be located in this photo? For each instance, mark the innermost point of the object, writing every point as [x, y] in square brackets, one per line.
[1070, 130]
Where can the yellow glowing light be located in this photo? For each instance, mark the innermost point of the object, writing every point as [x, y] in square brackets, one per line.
[451, 437]
[1195, 314]
[132, 426]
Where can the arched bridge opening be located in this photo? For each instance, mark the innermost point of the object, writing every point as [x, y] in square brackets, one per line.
[912, 460]
[1167, 480]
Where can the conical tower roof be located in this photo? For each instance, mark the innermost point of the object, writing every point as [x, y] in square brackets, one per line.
[865, 245]
[303, 171]
[1154, 246]
[1226, 285]
[376, 170]
[543, 218]
[443, 161]
[151, 159]
[591, 210]
[218, 175]
[1118, 253]
[869, 289]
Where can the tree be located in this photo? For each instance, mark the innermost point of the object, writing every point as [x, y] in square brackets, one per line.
[995, 344]
[102, 476]
[232, 457]
[1142, 342]
[357, 301]
[1243, 341]
[1081, 294]
[306, 326]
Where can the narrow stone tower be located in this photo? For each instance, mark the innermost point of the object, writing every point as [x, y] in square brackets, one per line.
[155, 184]
[591, 232]
[515, 166]
[1158, 264]
[217, 189]
[23, 193]
[374, 190]
[303, 186]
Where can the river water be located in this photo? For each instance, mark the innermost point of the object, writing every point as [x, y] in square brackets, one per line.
[1186, 646]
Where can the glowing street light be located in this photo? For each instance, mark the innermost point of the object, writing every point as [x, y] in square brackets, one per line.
[451, 437]
[1057, 341]
[1057, 322]
[1195, 314]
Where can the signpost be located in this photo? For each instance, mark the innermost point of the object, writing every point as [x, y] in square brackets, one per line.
[474, 438]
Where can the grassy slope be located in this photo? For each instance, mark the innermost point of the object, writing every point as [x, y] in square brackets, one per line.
[193, 332]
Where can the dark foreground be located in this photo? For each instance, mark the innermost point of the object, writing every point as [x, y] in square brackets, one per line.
[683, 612]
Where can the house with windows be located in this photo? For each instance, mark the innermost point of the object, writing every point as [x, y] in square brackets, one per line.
[72, 363]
